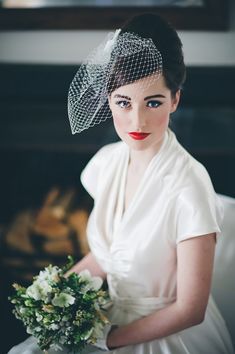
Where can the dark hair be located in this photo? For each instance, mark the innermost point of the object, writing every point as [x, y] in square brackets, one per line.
[166, 40]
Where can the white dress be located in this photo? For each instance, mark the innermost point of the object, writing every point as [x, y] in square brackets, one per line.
[137, 249]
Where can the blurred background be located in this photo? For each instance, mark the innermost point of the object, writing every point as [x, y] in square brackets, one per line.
[43, 207]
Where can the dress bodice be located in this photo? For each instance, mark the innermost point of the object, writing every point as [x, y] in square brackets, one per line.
[175, 200]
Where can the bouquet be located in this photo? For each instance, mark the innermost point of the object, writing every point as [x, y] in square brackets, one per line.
[62, 311]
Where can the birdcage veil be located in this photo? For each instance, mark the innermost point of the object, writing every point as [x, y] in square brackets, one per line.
[121, 59]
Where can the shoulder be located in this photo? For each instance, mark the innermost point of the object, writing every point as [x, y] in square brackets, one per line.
[198, 183]
[102, 156]
[107, 151]
[198, 210]
[90, 173]
[193, 186]
[190, 174]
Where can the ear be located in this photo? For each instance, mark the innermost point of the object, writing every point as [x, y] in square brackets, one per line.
[175, 101]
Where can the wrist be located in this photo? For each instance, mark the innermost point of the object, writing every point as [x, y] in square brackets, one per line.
[109, 341]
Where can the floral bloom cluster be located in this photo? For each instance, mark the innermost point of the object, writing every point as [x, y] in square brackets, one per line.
[62, 311]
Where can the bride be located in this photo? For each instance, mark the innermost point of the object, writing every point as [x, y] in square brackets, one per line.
[156, 218]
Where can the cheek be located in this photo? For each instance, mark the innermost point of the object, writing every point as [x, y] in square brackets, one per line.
[119, 122]
[161, 119]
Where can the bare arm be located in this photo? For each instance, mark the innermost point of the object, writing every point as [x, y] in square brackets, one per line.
[195, 258]
[88, 262]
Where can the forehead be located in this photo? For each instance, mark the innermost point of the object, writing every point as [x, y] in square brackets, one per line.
[142, 88]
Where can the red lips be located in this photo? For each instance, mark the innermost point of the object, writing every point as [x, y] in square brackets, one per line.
[138, 136]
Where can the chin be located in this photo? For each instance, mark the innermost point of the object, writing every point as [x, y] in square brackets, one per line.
[138, 145]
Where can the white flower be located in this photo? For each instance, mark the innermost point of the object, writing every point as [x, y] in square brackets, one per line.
[63, 300]
[38, 317]
[94, 283]
[54, 326]
[23, 310]
[39, 290]
[85, 275]
[50, 274]
[56, 347]
[37, 329]
[65, 318]
[29, 330]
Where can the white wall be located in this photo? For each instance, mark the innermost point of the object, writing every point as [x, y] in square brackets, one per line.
[69, 47]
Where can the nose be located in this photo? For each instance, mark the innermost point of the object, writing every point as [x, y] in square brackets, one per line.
[138, 119]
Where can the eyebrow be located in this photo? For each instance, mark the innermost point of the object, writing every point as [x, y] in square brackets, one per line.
[154, 96]
[145, 99]
[122, 96]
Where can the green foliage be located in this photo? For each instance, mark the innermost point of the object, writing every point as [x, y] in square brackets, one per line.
[62, 311]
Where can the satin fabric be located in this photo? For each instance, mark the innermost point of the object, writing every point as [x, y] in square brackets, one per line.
[175, 201]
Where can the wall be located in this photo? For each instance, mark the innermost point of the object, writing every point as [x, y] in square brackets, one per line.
[69, 47]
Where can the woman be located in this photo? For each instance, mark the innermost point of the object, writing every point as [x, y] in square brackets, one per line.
[156, 217]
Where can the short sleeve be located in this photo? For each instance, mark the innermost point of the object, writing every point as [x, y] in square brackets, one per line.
[199, 211]
[90, 174]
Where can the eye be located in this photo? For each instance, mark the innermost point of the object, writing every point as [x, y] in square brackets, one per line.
[123, 104]
[153, 104]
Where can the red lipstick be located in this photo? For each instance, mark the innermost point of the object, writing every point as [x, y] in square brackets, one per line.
[138, 136]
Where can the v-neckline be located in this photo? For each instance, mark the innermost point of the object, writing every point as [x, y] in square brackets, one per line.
[124, 211]
[142, 179]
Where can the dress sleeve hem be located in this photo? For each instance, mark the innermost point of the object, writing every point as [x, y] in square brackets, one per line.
[201, 233]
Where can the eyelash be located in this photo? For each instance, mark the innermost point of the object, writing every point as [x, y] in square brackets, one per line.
[127, 104]
[119, 103]
[155, 102]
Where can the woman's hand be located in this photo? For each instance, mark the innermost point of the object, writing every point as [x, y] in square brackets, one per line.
[87, 262]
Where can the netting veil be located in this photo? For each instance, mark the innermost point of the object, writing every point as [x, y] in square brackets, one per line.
[121, 59]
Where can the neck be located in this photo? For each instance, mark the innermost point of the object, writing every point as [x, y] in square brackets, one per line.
[139, 159]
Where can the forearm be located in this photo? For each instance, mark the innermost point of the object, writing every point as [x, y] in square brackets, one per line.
[161, 323]
[88, 262]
